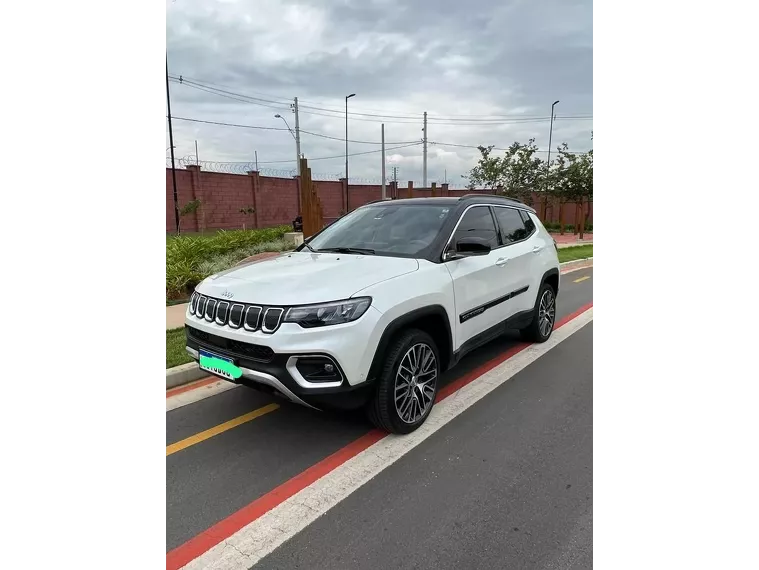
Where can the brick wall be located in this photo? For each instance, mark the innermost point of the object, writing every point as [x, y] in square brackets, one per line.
[276, 199]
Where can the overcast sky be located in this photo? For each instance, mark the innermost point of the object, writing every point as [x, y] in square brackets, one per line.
[464, 63]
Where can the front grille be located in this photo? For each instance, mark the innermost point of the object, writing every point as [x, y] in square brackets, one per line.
[236, 315]
[252, 351]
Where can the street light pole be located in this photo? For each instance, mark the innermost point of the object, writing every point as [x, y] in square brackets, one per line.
[347, 205]
[171, 142]
[297, 143]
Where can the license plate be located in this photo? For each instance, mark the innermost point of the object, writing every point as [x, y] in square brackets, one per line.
[218, 365]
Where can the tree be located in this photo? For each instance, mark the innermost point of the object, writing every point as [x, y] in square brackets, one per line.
[516, 174]
[571, 180]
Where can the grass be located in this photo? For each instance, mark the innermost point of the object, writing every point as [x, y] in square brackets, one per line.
[192, 258]
[175, 348]
[573, 253]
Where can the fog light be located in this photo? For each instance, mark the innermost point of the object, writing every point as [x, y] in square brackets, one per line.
[318, 369]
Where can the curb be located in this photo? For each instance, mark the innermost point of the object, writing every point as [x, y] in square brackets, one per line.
[186, 373]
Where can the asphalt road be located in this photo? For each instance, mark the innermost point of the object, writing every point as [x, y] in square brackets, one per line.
[508, 484]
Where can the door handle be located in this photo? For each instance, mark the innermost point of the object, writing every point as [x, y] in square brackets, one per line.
[537, 249]
[501, 261]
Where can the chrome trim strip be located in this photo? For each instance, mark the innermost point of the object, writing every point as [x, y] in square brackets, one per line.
[218, 310]
[213, 311]
[279, 319]
[245, 318]
[193, 302]
[242, 315]
[298, 377]
[444, 257]
[263, 378]
[270, 380]
[202, 299]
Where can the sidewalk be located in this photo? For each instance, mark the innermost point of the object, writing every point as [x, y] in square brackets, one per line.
[569, 239]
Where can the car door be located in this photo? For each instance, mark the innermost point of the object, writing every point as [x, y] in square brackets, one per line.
[521, 262]
[479, 282]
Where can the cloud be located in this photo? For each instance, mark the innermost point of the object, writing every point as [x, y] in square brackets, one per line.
[401, 58]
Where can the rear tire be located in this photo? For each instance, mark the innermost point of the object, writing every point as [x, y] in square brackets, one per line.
[407, 384]
[543, 317]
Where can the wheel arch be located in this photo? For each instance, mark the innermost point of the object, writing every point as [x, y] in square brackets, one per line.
[432, 319]
[552, 278]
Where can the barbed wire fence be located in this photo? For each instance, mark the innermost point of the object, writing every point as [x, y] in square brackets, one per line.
[245, 167]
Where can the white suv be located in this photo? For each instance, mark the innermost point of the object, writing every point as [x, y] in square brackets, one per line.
[370, 311]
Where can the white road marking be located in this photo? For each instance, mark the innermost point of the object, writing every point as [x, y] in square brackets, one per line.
[197, 394]
[254, 541]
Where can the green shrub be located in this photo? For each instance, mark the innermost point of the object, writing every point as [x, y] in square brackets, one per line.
[190, 259]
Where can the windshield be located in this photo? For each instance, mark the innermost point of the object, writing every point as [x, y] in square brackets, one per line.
[388, 229]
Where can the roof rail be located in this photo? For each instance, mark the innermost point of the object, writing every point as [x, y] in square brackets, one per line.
[375, 201]
[476, 195]
[496, 197]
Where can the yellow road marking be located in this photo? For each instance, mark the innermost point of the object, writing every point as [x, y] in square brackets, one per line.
[582, 279]
[221, 428]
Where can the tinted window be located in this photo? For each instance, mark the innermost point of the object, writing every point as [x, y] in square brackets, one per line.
[478, 222]
[387, 229]
[528, 223]
[512, 225]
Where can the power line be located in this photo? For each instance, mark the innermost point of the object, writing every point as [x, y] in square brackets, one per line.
[391, 114]
[283, 129]
[380, 112]
[343, 155]
[460, 120]
[229, 124]
[352, 141]
[494, 148]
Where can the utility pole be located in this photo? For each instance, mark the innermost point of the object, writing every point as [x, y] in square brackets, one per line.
[256, 160]
[384, 189]
[297, 134]
[347, 180]
[424, 167]
[200, 190]
[171, 142]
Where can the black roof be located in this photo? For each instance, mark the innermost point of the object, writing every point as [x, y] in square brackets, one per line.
[452, 200]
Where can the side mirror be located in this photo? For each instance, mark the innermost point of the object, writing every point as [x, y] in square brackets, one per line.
[468, 246]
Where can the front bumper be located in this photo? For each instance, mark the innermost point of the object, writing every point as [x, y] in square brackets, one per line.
[268, 361]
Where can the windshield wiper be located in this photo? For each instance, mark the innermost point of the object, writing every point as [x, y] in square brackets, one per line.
[305, 244]
[360, 250]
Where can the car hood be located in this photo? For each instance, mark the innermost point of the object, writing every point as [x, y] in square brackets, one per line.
[302, 277]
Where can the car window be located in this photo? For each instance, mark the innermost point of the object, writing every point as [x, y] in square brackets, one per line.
[528, 223]
[478, 222]
[512, 226]
[387, 229]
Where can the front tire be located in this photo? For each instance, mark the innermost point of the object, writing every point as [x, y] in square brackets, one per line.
[408, 383]
[544, 316]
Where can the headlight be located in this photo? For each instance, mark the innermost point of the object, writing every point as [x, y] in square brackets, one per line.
[324, 314]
